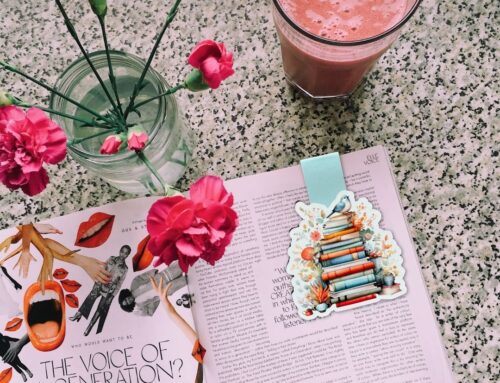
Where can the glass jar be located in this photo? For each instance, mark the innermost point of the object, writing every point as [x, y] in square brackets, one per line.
[170, 143]
[325, 68]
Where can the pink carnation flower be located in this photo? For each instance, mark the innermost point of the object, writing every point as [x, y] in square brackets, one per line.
[27, 141]
[190, 229]
[213, 61]
[137, 139]
[111, 144]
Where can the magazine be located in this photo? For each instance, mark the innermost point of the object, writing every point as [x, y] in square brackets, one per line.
[92, 311]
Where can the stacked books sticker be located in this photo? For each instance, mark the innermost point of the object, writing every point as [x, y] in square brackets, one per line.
[341, 259]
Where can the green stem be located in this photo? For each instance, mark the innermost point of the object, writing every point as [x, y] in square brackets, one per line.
[137, 87]
[94, 123]
[166, 93]
[142, 156]
[112, 77]
[72, 32]
[76, 141]
[50, 89]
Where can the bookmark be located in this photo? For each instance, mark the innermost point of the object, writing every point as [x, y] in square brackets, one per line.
[324, 177]
[339, 257]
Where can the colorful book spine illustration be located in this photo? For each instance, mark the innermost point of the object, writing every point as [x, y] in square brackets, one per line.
[347, 271]
[356, 275]
[340, 233]
[339, 253]
[340, 245]
[336, 229]
[343, 238]
[346, 246]
[353, 263]
[338, 222]
[356, 300]
[344, 259]
[338, 216]
[355, 292]
[354, 282]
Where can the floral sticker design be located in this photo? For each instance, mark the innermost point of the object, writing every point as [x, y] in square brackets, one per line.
[341, 259]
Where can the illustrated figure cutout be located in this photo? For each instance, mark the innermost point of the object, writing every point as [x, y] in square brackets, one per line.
[141, 297]
[9, 351]
[31, 234]
[118, 269]
[163, 292]
[8, 306]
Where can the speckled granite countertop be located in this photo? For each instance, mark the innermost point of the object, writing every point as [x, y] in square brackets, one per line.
[432, 100]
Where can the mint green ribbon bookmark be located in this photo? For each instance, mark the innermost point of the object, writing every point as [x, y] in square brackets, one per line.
[324, 178]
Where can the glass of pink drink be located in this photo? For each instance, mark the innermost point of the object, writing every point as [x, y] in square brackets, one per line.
[328, 46]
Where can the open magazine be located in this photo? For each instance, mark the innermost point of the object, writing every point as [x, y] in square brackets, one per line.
[234, 322]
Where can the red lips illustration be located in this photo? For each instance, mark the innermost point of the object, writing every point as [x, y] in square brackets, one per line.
[95, 231]
[143, 258]
[70, 286]
[72, 300]
[13, 324]
[60, 273]
[6, 375]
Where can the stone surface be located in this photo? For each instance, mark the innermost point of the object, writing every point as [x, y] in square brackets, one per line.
[432, 100]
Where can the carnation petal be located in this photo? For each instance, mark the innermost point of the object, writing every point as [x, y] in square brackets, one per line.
[185, 262]
[11, 113]
[158, 213]
[111, 144]
[216, 235]
[214, 214]
[168, 255]
[49, 139]
[33, 166]
[210, 69]
[196, 230]
[37, 182]
[226, 68]
[158, 243]
[226, 240]
[188, 248]
[200, 241]
[184, 219]
[37, 116]
[56, 145]
[203, 50]
[181, 216]
[210, 189]
[15, 178]
[214, 255]
[137, 140]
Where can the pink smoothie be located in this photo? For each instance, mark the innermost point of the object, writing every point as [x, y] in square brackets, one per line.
[324, 70]
[345, 19]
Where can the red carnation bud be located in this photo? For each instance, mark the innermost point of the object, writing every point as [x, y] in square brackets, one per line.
[213, 61]
[111, 144]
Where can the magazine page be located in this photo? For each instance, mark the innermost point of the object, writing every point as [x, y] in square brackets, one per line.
[88, 316]
[248, 320]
